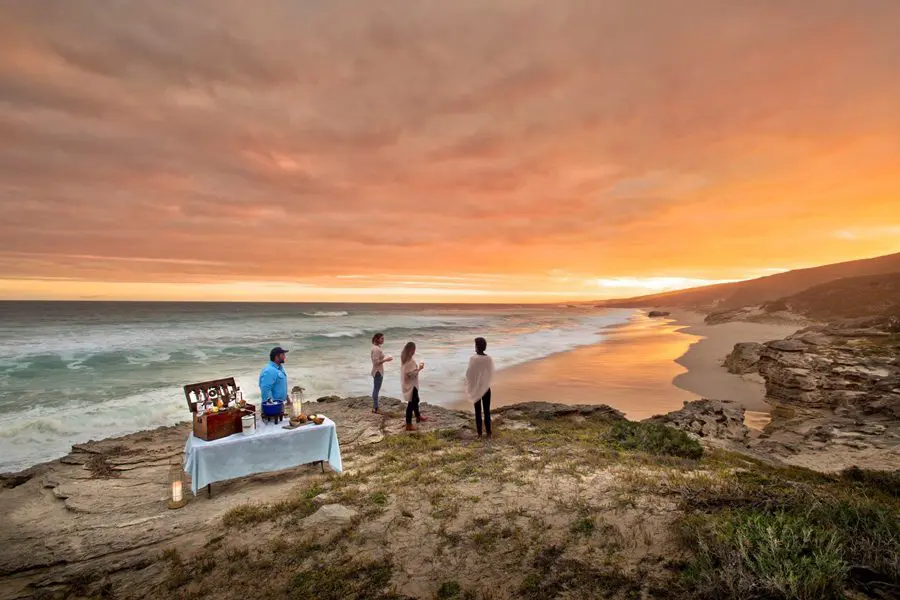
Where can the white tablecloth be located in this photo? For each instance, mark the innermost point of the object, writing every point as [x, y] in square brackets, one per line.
[271, 448]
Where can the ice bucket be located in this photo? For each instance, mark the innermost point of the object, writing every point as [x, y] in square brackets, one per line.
[248, 424]
[272, 409]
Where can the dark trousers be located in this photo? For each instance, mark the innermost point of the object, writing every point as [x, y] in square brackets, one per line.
[486, 403]
[377, 380]
[413, 407]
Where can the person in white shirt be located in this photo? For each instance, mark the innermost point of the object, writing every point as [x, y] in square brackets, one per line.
[378, 360]
[478, 384]
[409, 383]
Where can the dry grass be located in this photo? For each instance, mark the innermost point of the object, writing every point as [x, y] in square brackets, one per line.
[569, 510]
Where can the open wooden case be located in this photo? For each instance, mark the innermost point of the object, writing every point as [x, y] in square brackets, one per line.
[206, 394]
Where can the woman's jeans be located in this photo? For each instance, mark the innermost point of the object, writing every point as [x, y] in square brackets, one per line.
[376, 389]
[413, 407]
[485, 401]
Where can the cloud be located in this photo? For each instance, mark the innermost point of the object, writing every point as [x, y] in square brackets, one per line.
[294, 141]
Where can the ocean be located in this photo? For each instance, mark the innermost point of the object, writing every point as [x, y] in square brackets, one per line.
[75, 371]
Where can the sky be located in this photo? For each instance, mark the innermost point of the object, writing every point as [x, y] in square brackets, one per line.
[457, 150]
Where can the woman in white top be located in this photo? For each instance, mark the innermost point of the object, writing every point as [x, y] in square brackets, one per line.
[409, 383]
[378, 360]
[478, 384]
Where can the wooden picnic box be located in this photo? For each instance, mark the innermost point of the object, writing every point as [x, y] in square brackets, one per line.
[225, 422]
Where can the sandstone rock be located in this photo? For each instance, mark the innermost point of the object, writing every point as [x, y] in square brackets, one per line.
[744, 358]
[658, 313]
[859, 333]
[714, 419]
[841, 383]
[331, 514]
[788, 345]
[811, 338]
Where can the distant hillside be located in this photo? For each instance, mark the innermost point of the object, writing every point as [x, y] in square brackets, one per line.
[867, 296]
[727, 296]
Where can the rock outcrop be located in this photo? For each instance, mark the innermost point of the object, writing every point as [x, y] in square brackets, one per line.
[658, 313]
[837, 392]
[710, 419]
[548, 410]
[744, 358]
[331, 515]
[834, 367]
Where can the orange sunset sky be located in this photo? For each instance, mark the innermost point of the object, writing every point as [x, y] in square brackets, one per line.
[457, 150]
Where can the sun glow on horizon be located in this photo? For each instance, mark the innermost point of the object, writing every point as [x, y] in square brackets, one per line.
[419, 288]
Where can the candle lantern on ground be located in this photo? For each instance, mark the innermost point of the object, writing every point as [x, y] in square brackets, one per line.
[296, 402]
[177, 497]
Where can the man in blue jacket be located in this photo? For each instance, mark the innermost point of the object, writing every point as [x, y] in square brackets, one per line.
[273, 379]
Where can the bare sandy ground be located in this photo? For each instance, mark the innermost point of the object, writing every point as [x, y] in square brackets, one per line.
[647, 367]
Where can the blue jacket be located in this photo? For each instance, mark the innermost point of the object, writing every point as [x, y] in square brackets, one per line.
[273, 383]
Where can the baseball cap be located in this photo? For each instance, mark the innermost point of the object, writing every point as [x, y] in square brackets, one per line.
[276, 351]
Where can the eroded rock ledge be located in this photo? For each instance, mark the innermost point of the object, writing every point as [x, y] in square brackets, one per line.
[709, 419]
[836, 392]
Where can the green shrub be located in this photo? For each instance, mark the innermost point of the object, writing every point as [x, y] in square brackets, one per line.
[887, 482]
[746, 554]
[583, 526]
[449, 590]
[744, 525]
[653, 438]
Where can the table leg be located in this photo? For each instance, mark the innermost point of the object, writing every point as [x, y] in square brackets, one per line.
[322, 463]
[209, 490]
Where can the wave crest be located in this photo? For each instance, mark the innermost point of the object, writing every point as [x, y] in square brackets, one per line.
[326, 313]
[344, 334]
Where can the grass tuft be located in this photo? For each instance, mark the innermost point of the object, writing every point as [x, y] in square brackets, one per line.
[582, 526]
[449, 590]
[347, 581]
[250, 514]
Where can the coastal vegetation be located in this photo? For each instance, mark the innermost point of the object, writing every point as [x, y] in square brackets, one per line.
[571, 507]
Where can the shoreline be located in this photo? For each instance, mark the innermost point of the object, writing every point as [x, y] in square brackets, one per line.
[705, 373]
[667, 361]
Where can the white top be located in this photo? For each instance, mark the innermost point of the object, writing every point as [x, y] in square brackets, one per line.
[377, 360]
[479, 376]
[409, 377]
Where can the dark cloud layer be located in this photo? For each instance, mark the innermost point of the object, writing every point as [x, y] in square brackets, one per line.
[296, 141]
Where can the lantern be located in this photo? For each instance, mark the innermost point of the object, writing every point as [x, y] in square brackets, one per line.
[177, 498]
[296, 402]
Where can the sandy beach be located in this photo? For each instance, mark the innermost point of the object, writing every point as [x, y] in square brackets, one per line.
[705, 377]
[646, 367]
